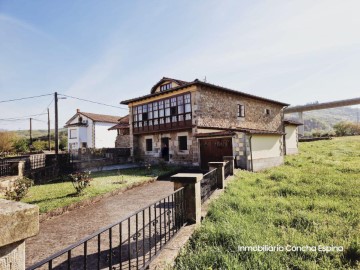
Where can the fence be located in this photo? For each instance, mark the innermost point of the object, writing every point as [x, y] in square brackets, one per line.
[208, 184]
[5, 168]
[131, 243]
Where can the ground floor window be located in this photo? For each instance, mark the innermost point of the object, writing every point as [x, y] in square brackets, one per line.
[183, 143]
[149, 145]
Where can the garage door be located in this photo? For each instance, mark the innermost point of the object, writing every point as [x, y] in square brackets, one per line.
[213, 150]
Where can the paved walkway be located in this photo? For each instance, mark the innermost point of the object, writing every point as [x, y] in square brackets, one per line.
[115, 167]
[62, 231]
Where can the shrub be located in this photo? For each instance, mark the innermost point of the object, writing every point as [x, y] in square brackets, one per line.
[19, 190]
[80, 181]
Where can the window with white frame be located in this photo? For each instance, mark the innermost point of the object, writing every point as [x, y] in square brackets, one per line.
[73, 133]
[240, 110]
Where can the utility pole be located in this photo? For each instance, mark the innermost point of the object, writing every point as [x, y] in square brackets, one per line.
[30, 132]
[56, 125]
[49, 146]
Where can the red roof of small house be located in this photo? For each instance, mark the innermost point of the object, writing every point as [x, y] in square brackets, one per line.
[95, 117]
[123, 123]
[292, 122]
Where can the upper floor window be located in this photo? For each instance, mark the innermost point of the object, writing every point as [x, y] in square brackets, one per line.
[267, 111]
[176, 109]
[240, 110]
[165, 86]
[73, 133]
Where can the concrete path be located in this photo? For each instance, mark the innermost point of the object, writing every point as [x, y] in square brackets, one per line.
[62, 231]
[115, 167]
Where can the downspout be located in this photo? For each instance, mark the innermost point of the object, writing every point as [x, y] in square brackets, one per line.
[251, 155]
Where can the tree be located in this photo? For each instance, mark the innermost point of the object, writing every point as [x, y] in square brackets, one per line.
[6, 141]
[344, 128]
[21, 145]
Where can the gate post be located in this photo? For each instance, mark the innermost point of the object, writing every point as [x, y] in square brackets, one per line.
[18, 221]
[219, 166]
[232, 163]
[192, 194]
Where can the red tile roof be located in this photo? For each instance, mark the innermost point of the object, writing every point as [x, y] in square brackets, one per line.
[96, 117]
[164, 79]
[197, 82]
[123, 123]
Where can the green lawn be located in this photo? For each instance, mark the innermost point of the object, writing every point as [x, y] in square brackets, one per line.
[52, 196]
[314, 199]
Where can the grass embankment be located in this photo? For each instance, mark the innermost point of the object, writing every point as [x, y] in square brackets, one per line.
[312, 200]
[52, 196]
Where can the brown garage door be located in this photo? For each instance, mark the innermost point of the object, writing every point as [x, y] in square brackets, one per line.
[213, 150]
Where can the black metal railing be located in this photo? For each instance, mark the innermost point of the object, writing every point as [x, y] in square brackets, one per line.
[131, 243]
[208, 184]
[5, 167]
[227, 169]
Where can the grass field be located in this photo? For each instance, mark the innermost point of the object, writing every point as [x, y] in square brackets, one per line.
[56, 195]
[312, 200]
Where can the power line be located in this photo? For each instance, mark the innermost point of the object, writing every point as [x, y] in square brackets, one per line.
[21, 117]
[95, 102]
[16, 99]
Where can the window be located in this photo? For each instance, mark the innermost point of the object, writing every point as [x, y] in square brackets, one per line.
[182, 143]
[267, 111]
[165, 87]
[240, 110]
[84, 145]
[73, 134]
[176, 109]
[149, 145]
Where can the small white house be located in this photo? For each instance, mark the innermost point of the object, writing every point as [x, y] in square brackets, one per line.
[90, 130]
[292, 136]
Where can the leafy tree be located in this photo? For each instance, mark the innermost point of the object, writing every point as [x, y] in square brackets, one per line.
[21, 145]
[63, 142]
[40, 145]
[7, 141]
[345, 128]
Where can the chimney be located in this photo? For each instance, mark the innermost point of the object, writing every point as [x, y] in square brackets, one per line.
[77, 110]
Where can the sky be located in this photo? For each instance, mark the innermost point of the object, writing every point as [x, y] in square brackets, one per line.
[295, 51]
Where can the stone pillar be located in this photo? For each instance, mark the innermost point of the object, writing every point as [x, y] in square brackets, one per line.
[232, 163]
[192, 194]
[21, 168]
[220, 166]
[18, 221]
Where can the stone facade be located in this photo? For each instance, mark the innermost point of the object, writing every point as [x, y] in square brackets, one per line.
[213, 110]
[122, 141]
[175, 155]
[219, 109]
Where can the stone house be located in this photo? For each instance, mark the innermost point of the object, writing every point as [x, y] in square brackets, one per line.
[90, 130]
[123, 132]
[197, 122]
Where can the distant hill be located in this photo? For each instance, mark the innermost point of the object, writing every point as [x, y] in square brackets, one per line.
[39, 133]
[324, 120]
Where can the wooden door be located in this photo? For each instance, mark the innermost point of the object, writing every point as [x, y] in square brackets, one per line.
[213, 150]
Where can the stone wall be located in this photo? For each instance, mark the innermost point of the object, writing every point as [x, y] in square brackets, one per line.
[175, 155]
[219, 109]
[122, 141]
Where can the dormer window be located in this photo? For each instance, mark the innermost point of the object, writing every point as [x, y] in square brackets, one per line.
[165, 86]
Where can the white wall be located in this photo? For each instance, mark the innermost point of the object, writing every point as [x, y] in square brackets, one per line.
[291, 139]
[103, 136]
[266, 146]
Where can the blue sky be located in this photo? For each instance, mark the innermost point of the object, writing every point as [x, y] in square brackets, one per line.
[292, 51]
